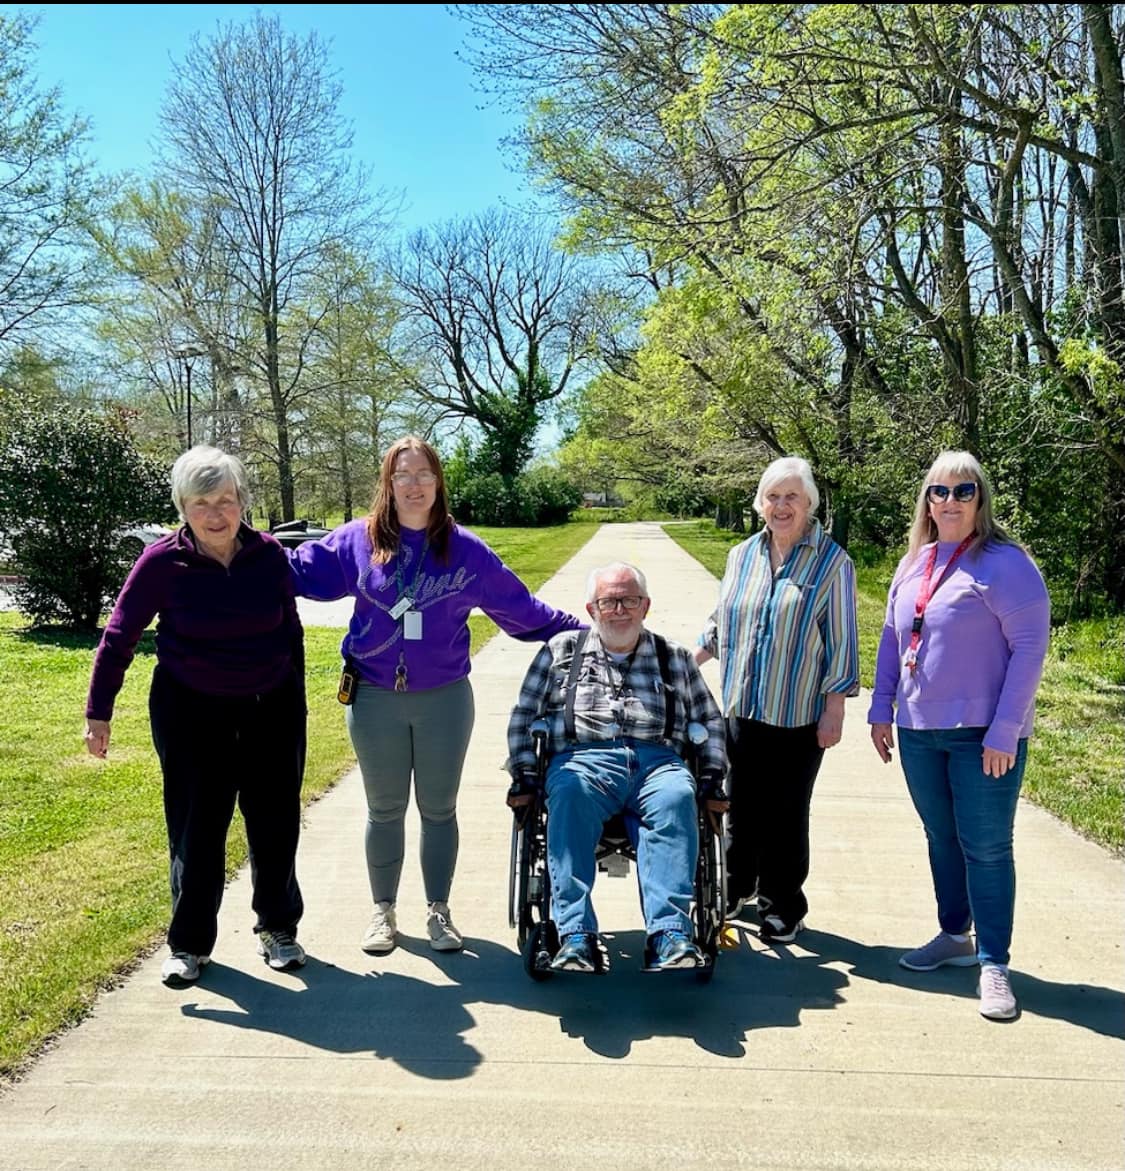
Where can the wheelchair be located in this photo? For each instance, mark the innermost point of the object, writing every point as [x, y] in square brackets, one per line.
[529, 882]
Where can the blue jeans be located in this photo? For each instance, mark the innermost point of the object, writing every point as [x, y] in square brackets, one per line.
[653, 787]
[968, 817]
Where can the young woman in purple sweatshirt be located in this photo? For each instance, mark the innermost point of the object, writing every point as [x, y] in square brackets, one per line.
[962, 650]
[415, 576]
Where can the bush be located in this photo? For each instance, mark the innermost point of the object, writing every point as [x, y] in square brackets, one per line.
[543, 496]
[70, 480]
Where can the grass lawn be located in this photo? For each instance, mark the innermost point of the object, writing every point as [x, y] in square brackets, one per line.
[83, 853]
[1074, 757]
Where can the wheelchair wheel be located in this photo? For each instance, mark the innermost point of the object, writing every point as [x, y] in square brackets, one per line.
[538, 952]
[710, 897]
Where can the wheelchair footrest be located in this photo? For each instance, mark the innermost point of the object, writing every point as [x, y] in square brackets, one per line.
[615, 865]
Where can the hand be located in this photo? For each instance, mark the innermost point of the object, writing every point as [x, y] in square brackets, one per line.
[522, 791]
[996, 764]
[830, 726]
[883, 737]
[97, 738]
[701, 655]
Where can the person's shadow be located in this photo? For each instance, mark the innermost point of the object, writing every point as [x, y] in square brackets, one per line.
[421, 1026]
[1101, 1010]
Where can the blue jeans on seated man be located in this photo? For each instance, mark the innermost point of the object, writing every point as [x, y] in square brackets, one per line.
[968, 817]
[586, 786]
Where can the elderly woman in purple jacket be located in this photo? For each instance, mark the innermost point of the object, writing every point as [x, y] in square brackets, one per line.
[226, 706]
[960, 659]
[415, 577]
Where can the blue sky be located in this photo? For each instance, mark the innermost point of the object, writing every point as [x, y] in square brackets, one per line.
[418, 123]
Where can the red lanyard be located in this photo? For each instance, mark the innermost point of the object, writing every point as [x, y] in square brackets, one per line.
[926, 592]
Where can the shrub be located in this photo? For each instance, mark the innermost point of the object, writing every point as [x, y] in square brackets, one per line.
[70, 479]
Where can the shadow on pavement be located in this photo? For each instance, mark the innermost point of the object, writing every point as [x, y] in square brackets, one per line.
[1101, 1010]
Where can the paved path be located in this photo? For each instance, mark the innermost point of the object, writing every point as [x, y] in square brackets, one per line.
[822, 1054]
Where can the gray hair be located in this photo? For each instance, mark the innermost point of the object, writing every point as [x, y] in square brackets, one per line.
[202, 470]
[787, 467]
[964, 464]
[616, 567]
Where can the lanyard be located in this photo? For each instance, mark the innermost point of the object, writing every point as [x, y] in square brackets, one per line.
[409, 596]
[926, 592]
[406, 600]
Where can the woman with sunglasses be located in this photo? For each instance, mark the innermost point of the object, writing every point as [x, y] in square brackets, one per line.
[784, 632]
[415, 576]
[960, 659]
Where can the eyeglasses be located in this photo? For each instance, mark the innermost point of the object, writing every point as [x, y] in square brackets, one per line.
[962, 493]
[608, 605]
[405, 479]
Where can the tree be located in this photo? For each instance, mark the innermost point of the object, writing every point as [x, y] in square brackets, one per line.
[70, 479]
[252, 133]
[47, 196]
[499, 320]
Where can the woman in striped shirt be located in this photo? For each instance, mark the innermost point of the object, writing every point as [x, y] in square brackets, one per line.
[785, 634]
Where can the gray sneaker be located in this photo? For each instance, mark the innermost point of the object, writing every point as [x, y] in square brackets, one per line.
[941, 950]
[280, 950]
[443, 935]
[381, 931]
[997, 1001]
[182, 968]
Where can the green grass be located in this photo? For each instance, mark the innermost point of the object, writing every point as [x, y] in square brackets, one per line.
[1074, 763]
[83, 853]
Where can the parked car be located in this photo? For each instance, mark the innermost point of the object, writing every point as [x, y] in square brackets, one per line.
[296, 532]
[136, 538]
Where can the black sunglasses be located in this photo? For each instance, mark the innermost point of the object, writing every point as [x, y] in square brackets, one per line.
[962, 492]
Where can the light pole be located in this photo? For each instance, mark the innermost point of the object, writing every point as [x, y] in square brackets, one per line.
[187, 355]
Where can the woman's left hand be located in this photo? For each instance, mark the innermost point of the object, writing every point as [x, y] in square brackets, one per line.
[996, 764]
[830, 726]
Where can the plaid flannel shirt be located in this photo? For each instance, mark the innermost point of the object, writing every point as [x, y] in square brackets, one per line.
[607, 707]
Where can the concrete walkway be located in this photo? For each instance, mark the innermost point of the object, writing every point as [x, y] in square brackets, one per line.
[821, 1054]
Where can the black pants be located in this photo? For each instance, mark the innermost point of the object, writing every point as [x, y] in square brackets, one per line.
[215, 750]
[772, 773]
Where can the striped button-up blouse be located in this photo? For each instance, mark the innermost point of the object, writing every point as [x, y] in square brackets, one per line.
[785, 640]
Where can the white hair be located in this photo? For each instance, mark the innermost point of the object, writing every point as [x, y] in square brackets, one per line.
[617, 567]
[786, 468]
[202, 470]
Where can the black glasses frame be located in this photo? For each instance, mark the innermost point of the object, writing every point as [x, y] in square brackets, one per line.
[628, 603]
[962, 493]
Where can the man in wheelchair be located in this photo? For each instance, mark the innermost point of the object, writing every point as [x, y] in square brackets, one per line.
[615, 704]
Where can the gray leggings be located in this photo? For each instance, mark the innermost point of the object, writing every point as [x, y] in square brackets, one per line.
[396, 734]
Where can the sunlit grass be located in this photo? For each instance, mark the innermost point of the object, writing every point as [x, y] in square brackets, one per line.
[1075, 756]
[83, 853]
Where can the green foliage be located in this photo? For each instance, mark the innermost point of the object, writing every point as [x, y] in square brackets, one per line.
[70, 479]
[481, 495]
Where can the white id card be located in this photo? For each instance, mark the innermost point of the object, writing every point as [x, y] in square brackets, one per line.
[412, 624]
[400, 607]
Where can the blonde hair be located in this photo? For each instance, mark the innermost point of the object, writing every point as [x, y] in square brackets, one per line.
[383, 526]
[923, 531]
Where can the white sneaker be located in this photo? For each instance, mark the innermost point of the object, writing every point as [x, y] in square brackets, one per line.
[381, 932]
[941, 950]
[182, 968]
[997, 1001]
[443, 935]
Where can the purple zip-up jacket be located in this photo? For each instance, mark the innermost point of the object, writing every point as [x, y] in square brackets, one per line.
[984, 639]
[444, 592]
[223, 631]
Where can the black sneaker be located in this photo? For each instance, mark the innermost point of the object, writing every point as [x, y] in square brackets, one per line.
[579, 953]
[280, 950]
[774, 929]
[667, 950]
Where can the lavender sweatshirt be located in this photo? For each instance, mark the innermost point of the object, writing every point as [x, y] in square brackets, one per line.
[984, 639]
[444, 592]
[230, 632]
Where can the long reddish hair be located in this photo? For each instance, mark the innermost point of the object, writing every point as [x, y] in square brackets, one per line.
[383, 526]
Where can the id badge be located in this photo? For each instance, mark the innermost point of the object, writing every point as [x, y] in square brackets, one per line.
[412, 624]
[401, 606]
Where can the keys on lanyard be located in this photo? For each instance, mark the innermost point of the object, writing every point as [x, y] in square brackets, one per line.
[400, 674]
